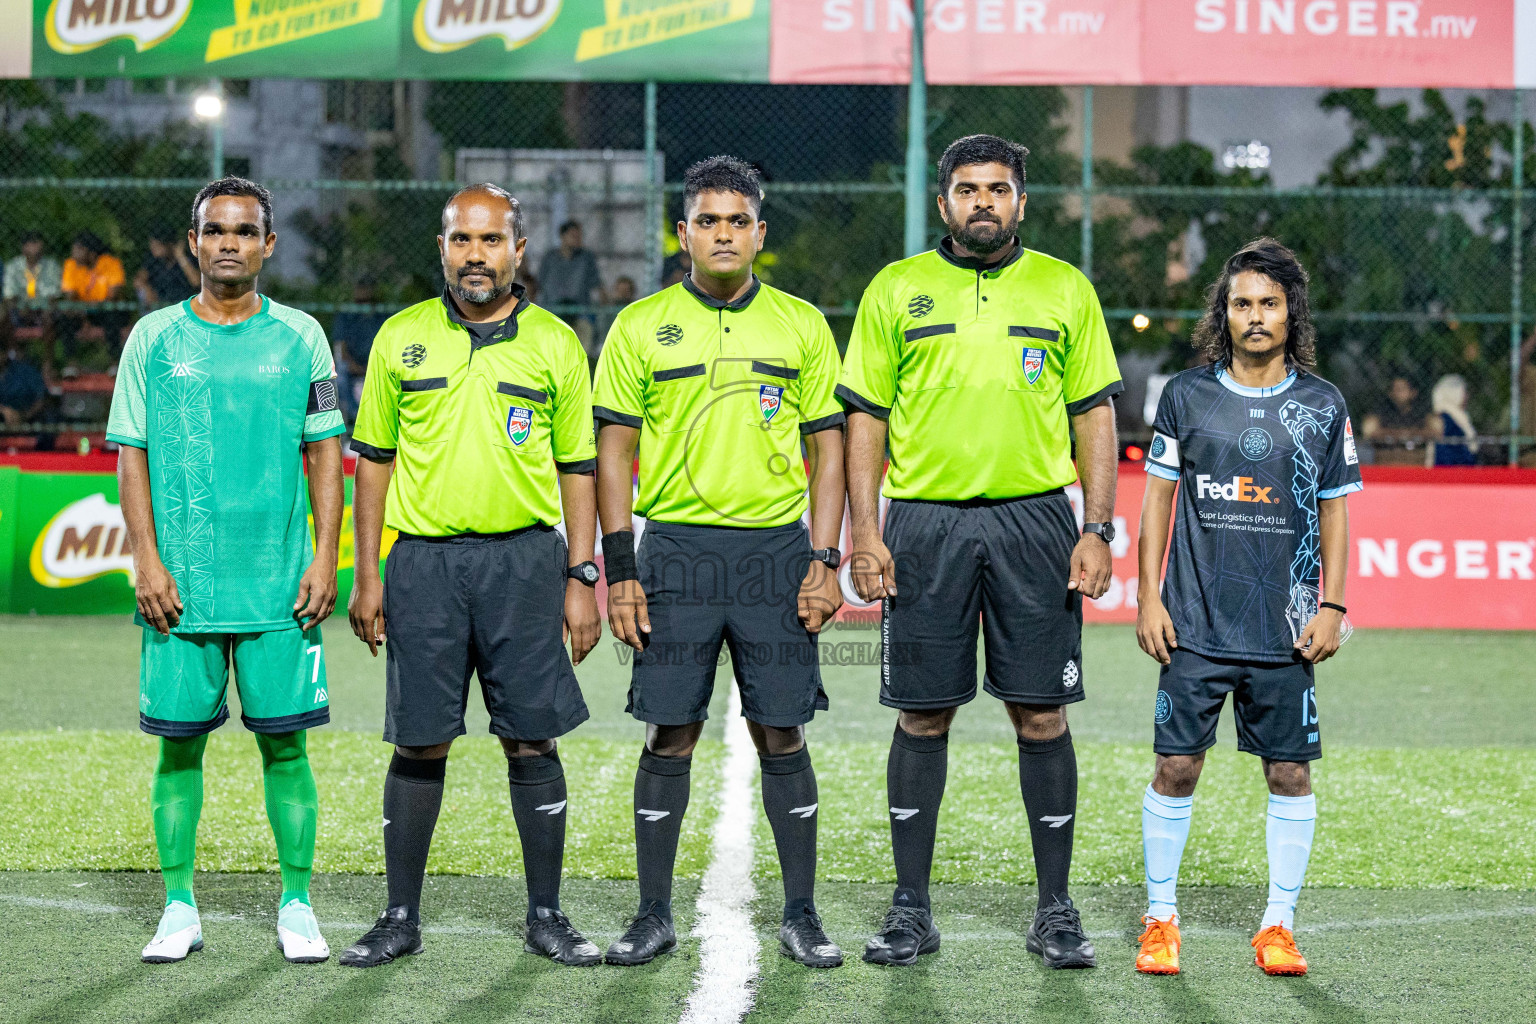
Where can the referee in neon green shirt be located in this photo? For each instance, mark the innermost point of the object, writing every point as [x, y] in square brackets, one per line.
[718, 380]
[972, 360]
[476, 421]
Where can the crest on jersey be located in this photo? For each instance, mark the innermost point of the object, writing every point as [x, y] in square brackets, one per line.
[414, 355]
[519, 423]
[1256, 444]
[920, 306]
[1034, 363]
[769, 398]
[669, 335]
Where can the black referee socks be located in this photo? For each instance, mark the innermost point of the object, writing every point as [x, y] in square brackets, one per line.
[661, 797]
[413, 794]
[790, 801]
[914, 783]
[537, 783]
[1048, 780]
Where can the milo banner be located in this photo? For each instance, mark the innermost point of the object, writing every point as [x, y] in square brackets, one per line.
[64, 548]
[559, 40]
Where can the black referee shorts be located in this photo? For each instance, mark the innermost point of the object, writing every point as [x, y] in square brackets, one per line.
[740, 586]
[999, 565]
[486, 605]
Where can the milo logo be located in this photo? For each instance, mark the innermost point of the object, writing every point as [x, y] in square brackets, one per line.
[84, 541]
[444, 25]
[75, 26]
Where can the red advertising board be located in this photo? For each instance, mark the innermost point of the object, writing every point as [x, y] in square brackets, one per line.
[1370, 43]
[1366, 43]
[1427, 549]
[969, 42]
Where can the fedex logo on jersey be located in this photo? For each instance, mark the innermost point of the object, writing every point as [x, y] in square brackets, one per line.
[1239, 488]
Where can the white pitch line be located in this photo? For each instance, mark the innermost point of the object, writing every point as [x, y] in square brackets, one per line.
[723, 987]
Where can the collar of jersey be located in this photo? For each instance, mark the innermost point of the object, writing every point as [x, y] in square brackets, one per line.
[266, 304]
[1248, 392]
[509, 324]
[714, 303]
[947, 253]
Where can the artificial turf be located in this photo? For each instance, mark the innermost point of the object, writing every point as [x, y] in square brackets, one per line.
[1420, 906]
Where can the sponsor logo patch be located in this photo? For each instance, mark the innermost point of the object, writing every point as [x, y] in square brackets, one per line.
[769, 398]
[668, 335]
[1158, 446]
[1239, 488]
[920, 306]
[1256, 444]
[519, 423]
[1351, 456]
[414, 355]
[1034, 363]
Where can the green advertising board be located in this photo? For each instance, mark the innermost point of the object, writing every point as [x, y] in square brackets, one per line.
[65, 549]
[555, 40]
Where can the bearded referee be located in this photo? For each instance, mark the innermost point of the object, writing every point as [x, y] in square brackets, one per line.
[476, 421]
[972, 361]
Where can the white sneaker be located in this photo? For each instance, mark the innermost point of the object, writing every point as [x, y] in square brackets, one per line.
[298, 934]
[180, 933]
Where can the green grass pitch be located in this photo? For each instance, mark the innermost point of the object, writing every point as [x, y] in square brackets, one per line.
[1420, 905]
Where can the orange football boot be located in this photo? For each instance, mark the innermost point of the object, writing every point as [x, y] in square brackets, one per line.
[1274, 949]
[1159, 946]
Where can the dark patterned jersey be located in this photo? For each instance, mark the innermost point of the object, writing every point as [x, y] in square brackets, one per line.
[1252, 463]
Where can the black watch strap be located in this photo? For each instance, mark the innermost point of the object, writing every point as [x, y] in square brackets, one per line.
[831, 557]
[1106, 531]
[586, 572]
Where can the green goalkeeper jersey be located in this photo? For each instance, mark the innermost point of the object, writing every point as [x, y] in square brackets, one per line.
[222, 412]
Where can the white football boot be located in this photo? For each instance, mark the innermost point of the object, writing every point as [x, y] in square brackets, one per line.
[298, 934]
[180, 933]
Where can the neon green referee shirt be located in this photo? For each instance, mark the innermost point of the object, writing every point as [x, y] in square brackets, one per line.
[721, 394]
[976, 369]
[479, 418]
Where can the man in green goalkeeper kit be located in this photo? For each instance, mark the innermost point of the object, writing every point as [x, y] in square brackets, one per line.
[220, 402]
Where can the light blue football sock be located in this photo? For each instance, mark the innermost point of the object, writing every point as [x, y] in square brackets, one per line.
[1288, 835]
[1164, 831]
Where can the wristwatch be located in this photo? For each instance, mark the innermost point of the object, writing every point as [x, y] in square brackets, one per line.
[830, 556]
[586, 573]
[1106, 531]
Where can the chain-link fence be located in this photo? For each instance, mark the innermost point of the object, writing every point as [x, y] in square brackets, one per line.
[1414, 231]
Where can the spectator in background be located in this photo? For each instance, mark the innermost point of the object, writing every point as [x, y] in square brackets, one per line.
[353, 334]
[569, 277]
[1398, 431]
[167, 276]
[23, 392]
[674, 268]
[32, 275]
[530, 282]
[93, 275]
[1455, 437]
[623, 292]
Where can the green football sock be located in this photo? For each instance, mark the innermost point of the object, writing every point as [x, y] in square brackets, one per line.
[292, 807]
[176, 801]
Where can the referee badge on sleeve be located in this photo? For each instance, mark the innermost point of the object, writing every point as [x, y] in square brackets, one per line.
[519, 423]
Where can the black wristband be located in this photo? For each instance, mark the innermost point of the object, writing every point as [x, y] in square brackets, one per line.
[1336, 607]
[619, 556]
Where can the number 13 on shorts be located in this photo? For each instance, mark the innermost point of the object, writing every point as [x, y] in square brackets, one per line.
[1309, 712]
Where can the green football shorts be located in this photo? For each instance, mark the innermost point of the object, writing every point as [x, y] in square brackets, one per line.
[183, 679]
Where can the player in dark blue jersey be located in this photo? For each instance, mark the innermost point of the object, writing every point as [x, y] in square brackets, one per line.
[1260, 452]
